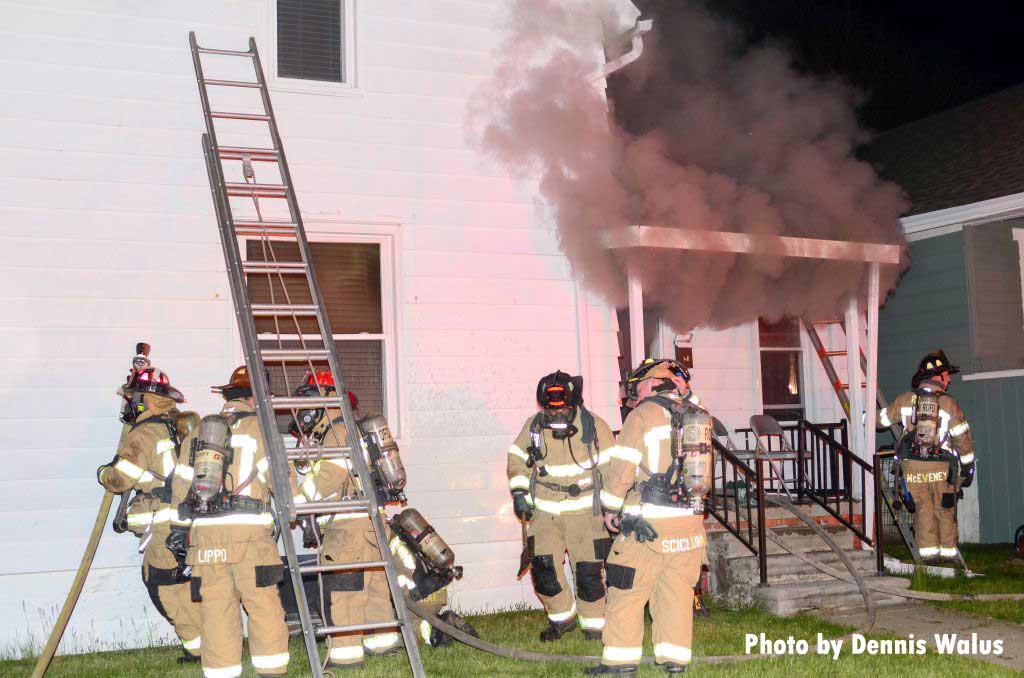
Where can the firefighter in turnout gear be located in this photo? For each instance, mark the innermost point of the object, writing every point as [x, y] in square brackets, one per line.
[146, 461]
[653, 493]
[555, 466]
[231, 545]
[936, 453]
[359, 596]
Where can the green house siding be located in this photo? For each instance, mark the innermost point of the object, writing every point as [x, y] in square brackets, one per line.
[931, 308]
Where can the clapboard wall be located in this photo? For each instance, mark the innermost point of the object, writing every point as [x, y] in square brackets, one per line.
[109, 237]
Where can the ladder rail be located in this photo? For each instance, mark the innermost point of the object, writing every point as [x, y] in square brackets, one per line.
[276, 456]
[279, 457]
[353, 436]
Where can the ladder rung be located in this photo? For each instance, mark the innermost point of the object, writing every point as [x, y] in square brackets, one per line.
[835, 321]
[832, 354]
[339, 567]
[331, 630]
[847, 386]
[297, 354]
[274, 266]
[327, 452]
[230, 115]
[283, 309]
[242, 189]
[223, 52]
[253, 153]
[230, 83]
[347, 506]
[291, 402]
[268, 228]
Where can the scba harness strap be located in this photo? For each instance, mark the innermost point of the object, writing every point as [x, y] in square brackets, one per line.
[588, 431]
[668, 488]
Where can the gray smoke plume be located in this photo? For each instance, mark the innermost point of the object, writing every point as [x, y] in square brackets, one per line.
[725, 137]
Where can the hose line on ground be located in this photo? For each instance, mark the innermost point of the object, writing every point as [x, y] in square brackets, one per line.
[527, 655]
[53, 641]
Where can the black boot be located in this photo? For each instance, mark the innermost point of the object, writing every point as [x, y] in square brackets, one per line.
[440, 639]
[592, 634]
[341, 667]
[188, 658]
[605, 670]
[674, 669]
[555, 631]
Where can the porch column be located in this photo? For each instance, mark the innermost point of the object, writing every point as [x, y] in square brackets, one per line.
[853, 378]
[636, 320]
[871, 393]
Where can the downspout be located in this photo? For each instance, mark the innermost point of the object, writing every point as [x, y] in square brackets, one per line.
[634, 35]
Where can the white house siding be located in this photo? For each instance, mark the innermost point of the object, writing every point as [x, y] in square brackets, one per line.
[108, 237]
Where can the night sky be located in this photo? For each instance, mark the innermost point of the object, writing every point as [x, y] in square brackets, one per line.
[911, 58]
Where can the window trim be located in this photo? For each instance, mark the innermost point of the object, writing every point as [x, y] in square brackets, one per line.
[386, 236]
[351, 86]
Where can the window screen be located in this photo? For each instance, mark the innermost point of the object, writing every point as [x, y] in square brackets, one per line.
[309, 39]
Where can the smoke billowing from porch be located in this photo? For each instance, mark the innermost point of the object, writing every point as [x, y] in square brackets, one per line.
[723, 136]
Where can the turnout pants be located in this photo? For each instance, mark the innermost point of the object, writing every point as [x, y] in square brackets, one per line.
[934, 520]
[638, 574]
[356, 597]
[587, 543]
[249, 579]
[172, 600]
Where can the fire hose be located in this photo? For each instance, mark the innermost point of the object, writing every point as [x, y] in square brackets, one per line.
[525, 655]
[53, 641]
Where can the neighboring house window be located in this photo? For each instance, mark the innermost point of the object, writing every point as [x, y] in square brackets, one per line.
[781, 385]
[994, 302]
[313, 44]
[358, 299]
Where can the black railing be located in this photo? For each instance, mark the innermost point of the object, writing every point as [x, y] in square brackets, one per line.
[736, 500]
[835, 478]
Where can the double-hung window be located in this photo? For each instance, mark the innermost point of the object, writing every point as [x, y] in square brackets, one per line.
[356, 283]
[781, 357]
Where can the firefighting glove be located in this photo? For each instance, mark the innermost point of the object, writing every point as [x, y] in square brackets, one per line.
[967, 473]
[101, 469]
[643, 530]
[177, 544]
[522, 506]
[311, 535]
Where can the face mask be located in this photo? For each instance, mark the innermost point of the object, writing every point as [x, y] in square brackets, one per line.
[560, 423]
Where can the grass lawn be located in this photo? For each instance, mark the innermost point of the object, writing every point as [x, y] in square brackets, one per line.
[722, 633]
[1004, 573]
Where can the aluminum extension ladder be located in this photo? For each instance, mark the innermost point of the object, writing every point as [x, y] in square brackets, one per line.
[301, 349]
[842, 393]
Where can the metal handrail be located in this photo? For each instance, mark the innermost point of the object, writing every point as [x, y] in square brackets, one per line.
[829, 477]
[730, 510]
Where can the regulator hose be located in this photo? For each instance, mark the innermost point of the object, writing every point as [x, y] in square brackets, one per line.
[43, 663]
[526, 655]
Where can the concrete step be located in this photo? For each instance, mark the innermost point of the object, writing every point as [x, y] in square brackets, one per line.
[786, 600]
[800, 539]
[776, 516]
[787, 568]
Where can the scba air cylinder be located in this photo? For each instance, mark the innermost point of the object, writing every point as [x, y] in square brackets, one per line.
[211, 452]
[431, 545]
[389, 466]
[695, 450]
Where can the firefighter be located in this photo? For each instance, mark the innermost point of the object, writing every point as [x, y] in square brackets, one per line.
[146, 461]
[231, 545]
[555, 467]
[936, 453]
[356, 596]
[653, 494]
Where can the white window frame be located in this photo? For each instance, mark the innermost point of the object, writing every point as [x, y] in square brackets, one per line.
[804, 403]
[387, 238]
[349, 45]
